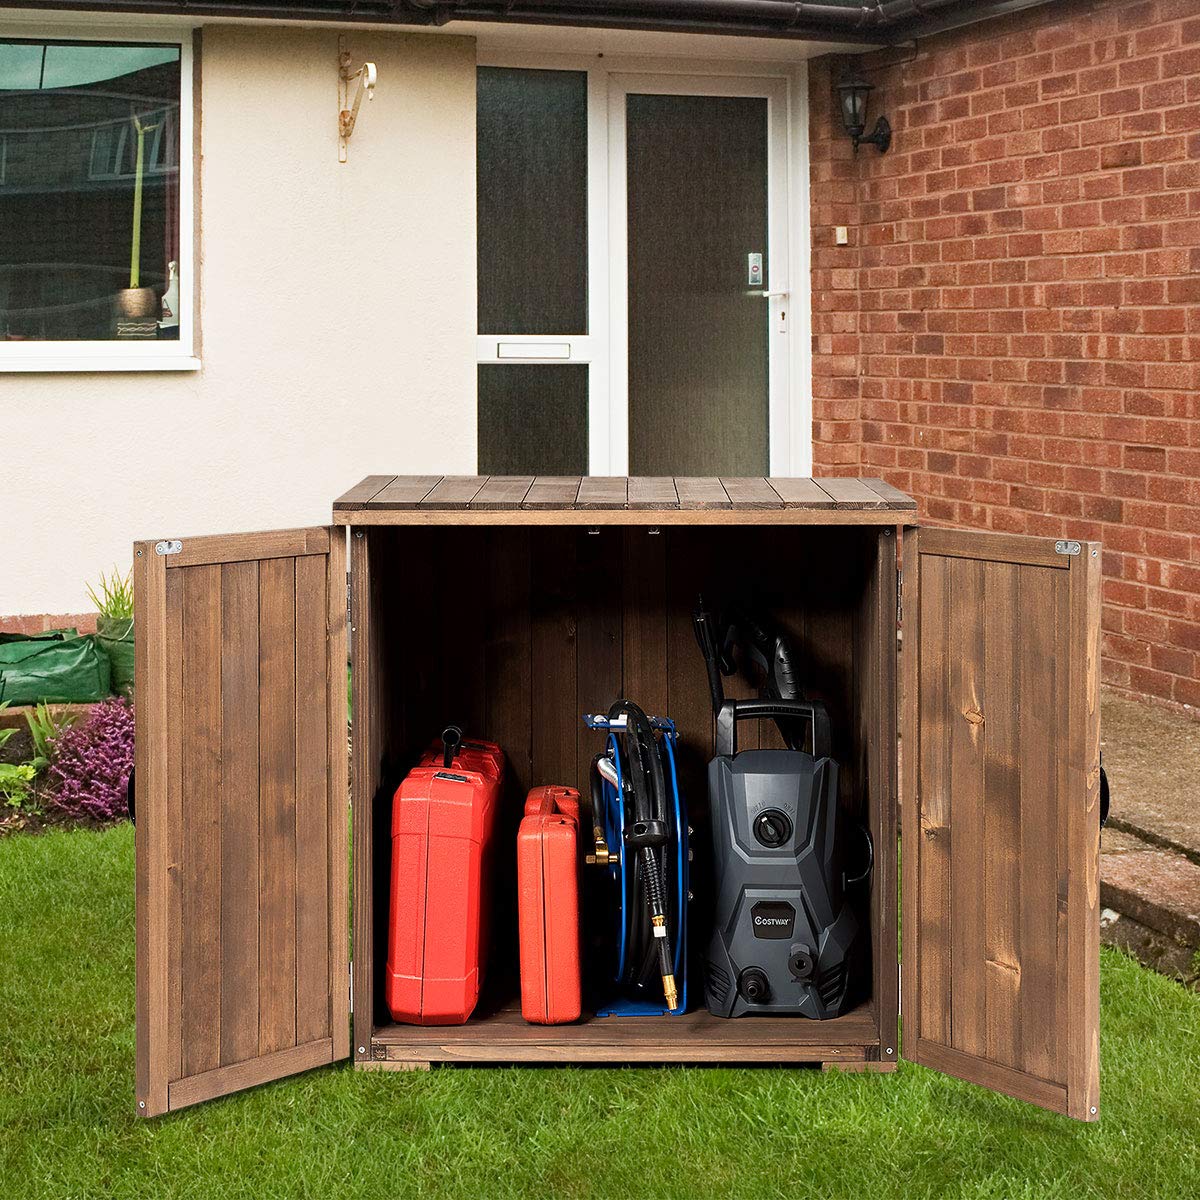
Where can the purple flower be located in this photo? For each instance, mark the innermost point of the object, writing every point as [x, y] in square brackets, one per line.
[91, 763]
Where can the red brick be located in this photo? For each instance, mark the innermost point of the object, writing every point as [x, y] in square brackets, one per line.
[1122, 154]
[1145, 458]
[1151, 683]
[1175, 661]
[1182, 62]
[1120, 102]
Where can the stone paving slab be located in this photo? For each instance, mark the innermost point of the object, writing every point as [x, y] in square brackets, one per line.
[1152, 756]
[1150, 862]
[1116, 841]
[1159, 888]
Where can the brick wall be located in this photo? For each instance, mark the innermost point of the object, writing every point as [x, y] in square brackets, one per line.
[40, 622]
[1013, 333]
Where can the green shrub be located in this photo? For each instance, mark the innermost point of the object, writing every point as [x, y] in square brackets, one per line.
[44, 728]
[115, 597]
[16, 785]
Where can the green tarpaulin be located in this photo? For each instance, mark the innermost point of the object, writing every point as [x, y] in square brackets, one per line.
[115, 635]
[58, 666]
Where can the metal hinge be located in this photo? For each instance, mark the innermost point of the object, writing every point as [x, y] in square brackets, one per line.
[899, 596]
[1064, 547]
[172, 547]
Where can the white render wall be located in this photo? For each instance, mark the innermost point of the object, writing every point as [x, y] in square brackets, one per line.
[337, 322]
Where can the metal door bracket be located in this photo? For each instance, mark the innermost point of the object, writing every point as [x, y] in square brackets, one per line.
[172, 547]
[1066, 547]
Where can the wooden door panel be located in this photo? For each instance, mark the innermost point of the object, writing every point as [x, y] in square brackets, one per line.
[1000, 815]
[242, 792]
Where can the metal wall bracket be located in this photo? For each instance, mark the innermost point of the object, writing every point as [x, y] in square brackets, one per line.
[366, 75]
[1063, 547]
[172, 547]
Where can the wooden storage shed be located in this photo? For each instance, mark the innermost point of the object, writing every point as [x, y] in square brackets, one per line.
[516, 604]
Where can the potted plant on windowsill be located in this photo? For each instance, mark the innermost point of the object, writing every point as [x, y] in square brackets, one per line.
[136, 306]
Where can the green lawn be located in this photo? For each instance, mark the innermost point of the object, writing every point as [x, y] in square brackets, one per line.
[67, 1127]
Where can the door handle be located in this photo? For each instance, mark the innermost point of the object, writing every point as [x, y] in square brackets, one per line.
[774, 295]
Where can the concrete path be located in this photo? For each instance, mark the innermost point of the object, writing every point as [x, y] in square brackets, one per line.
[1152, 757]
[1150, 852]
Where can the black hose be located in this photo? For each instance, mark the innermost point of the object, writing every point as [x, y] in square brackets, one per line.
[704, 625]
[652, 924]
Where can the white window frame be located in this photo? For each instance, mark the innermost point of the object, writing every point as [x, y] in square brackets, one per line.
[149, 355]
[604, 348]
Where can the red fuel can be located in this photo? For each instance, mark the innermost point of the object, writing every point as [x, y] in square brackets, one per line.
[548, 903]
[443, 820]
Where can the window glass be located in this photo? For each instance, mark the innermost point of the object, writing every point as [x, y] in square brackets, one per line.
[698, 403]
[533, 419]
[89, 191]
[531, 139]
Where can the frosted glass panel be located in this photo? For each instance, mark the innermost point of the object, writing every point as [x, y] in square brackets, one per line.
[531, 136]
[533, 420]
[698, 353]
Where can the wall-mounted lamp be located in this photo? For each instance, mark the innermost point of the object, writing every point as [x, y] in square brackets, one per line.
[366, 75]
[853, 92]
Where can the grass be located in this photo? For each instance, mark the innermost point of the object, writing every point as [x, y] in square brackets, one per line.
[67, 1127]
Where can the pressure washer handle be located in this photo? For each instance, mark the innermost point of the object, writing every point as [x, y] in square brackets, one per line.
[733, 711]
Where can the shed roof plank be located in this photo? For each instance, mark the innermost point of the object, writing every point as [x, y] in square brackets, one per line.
[853, 493]
[751, 492]
[553, 491]
[801, 493]
[652, 491]
[603, 491]
[700, 492]
[406, 491]
[503, 491]
[894, 496]
[455, 491]
[362, 493]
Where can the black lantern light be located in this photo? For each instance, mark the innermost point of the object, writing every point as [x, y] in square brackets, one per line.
[853, 92]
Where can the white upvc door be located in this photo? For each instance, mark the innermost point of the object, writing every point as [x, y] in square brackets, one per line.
[786, 298]
[774, 269]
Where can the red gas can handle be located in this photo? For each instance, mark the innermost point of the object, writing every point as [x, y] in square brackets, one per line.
[452, 737]
[552, 798]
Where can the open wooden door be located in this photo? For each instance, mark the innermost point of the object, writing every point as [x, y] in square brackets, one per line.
[242, 938]
[1001, 816]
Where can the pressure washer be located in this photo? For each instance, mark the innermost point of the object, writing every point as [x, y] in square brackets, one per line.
[786, 937]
